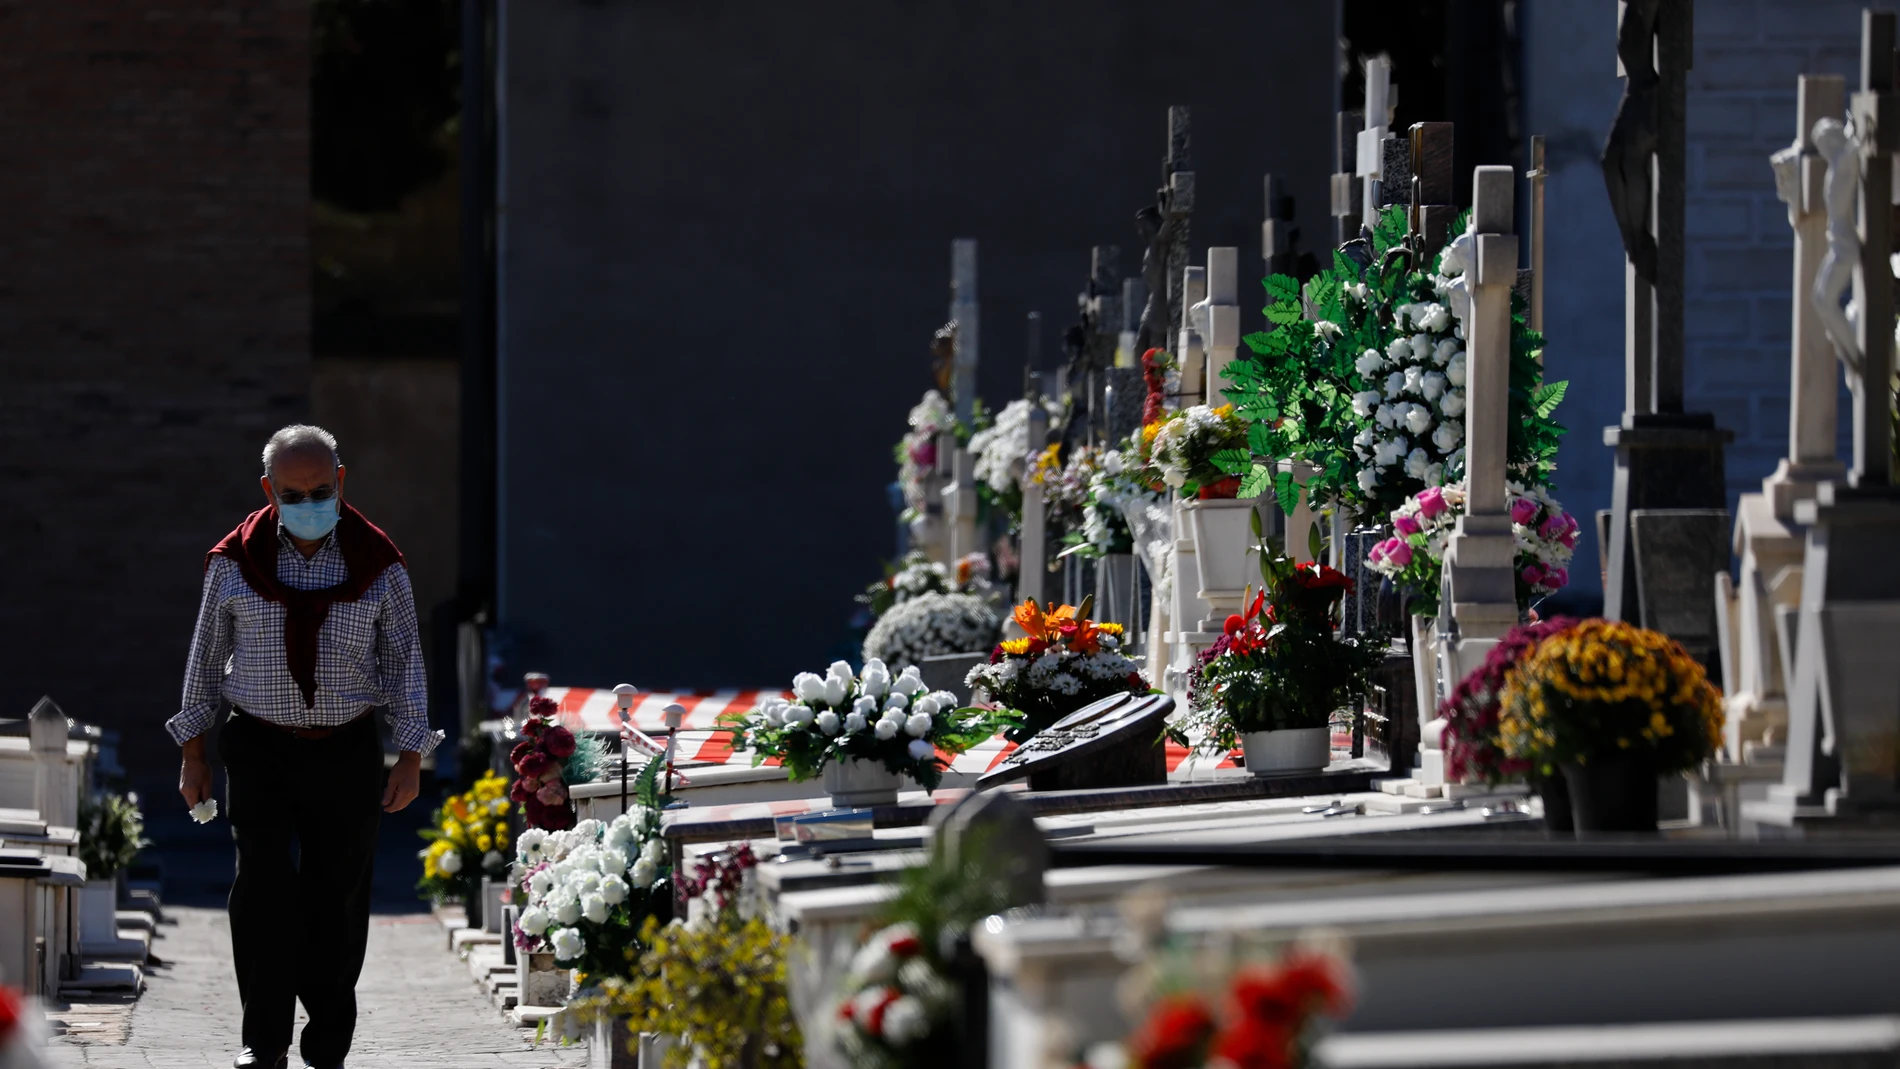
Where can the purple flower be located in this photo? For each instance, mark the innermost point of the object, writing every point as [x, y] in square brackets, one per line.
[1523, 511]
[1406, 525]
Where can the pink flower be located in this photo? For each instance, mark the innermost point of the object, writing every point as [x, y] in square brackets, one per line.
[1532, 574]
[551, 794]
[1406, 525]
[1431, 502]
[1396, 551]
[1523, 511]
[1376, 556]
[1569, 539]
[1554, 527]
[1557, 578]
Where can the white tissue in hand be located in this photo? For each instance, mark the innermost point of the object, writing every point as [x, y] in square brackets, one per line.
[206, 811]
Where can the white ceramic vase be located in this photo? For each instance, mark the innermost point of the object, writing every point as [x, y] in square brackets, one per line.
[853, 783]
[1274, 753]
[1222, 529]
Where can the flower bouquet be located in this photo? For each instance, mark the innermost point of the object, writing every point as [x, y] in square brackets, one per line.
[895, 999]
[930, 625]
[1183, 447]
[1474, 747]
[468, 838]
[590, 889]
[918, 575]
[1613, 706]
[1362, 378]
[718, 984]
[917, 450]
[1063, 662]
[1278, 669]
[1002, 455]
[546, 760]
[1414, 556]
[1113, 487]
[111, 834]
[1267, 1018]
[874, 719]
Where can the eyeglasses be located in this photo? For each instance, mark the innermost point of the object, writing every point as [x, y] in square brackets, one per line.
[292, 497]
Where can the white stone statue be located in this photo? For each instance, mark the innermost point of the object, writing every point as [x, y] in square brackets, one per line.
[1838, 145]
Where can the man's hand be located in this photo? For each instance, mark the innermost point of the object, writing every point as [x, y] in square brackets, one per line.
[404, 781]
[194, 774]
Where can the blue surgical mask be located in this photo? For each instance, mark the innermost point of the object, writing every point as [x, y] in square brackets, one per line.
[309, 520]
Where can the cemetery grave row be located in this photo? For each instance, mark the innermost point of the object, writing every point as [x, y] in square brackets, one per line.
[1214, 663]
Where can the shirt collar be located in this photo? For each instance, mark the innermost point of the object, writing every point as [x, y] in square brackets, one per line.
[284, 542]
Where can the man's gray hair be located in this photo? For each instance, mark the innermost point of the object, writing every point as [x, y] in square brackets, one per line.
[298, 438]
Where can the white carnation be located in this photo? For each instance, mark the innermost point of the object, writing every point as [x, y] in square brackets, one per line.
[1368, 479]
[1447, 435]
[1369, 363]
[1388, 452]
[1437, 317]
[644, 873]
[840, 670]
[836, 689]
[1421, 347]
[594, 908]
[1435, 475]
[533, 920]
[921, 749]
[1432, 385]
[1364, 402]
[854, 723]
[918, 725]
[613, 890]
[568, 945]
[895, 701]
[1399, 348]
[1416, 462]
[654, 851]
[566, 907]
[828, 722]
[1387, 416]
[799, 714]
[1444, 351]
[1394, 384]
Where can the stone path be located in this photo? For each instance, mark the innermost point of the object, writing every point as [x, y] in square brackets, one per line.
[418, 1009]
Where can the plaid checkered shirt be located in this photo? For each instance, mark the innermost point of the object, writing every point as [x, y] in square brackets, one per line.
[369, 652]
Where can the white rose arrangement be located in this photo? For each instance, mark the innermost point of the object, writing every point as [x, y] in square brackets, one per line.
[888, 718]
[589, 889]
[929, 625]
[917, 451]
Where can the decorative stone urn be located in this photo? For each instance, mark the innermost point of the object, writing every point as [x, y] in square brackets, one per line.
[854, 783]
[1224, 554]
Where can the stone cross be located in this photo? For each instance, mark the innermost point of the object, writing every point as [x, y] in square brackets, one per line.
[1869, 359]
[1347, 203]
[1164, 226]
[1479, 574]
[1189, 344]
[1536, 175]
[1277, 229]
[1221, 334]
[963, 312]
[1369, 163]
[960, 500]
[1666, 459]
[1034, 545]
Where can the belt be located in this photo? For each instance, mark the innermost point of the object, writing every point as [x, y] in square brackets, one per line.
[301, 732]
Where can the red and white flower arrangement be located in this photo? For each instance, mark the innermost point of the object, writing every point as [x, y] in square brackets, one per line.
[1267, 1018]
[893, 997]
[539, 761]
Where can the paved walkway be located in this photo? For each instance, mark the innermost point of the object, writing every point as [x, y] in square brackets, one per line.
[417, 1007]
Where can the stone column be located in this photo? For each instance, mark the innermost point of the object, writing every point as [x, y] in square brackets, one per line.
[1347, 206]
[1222, 337]
[1369, 163]
[1480, 590]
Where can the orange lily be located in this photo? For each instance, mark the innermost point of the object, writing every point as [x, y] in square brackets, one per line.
[1036, 624]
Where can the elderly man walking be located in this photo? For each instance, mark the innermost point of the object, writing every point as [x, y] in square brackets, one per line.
[306, 624]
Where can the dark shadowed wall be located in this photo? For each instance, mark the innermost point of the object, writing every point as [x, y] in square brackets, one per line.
[726, 241]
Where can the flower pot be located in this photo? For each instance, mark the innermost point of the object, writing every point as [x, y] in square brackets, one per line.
[1614, 792]
[1222, 530]
[541, 981]
[1555, 791]
[1274, 753]
[853, 783]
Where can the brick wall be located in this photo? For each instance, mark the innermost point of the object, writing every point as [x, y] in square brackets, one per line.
[1740, 263]
[1740, 255]
[154, 321]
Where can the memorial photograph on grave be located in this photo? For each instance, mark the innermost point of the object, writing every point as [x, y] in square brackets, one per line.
[807, 537]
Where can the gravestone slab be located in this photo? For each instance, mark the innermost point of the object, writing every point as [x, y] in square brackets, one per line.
[1126, 393]
[947, 671]
[1002, 827]
[1115, 742]
[1678, 552]
[1362, 602]
[1395, 181]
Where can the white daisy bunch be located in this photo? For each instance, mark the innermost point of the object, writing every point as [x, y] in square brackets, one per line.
[1002, 449]
[877, 715]
[917, 452]
[589, 885]
[893, 998]
[929, 625]
[918, 577]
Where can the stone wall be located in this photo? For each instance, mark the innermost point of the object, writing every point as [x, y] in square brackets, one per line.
[154, 320]
[727, 243]
[1740, 255]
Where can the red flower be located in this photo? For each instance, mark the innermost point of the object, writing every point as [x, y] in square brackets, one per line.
[539, 706]
[1221, 488]
[521, 791]
[9, 1011]
[874, 1021]
[1135, 682]
[905, 946]
[1174, 1036]
[548, 817]
[844, 1010]
[532, 729]
[535, 766]
[1234, 623]
[559, 741]
[522, 750]
[1316, 576]
[1302, 985]
[1254, 1044]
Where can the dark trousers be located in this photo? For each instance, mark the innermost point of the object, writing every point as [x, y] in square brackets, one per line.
[300, 918]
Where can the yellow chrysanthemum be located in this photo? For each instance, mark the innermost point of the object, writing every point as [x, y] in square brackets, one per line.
[1016, 646]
